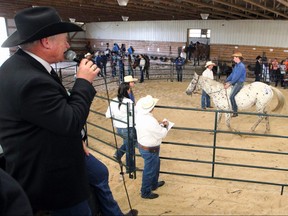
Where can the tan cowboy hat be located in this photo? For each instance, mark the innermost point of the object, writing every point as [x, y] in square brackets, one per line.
[237, 54]
[35, 23]
[146, 104]
[129, 78]
[209, 63]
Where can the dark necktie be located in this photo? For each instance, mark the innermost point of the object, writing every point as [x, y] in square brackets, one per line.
[55, 76]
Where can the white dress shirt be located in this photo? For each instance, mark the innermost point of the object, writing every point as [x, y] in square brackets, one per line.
[120, 114]
[42, 61]
[208, 73]
[149, 131]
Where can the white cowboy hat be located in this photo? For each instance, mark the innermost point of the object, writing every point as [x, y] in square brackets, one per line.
[146, 104]
[209, 63]
[129, 79]
[87, 54]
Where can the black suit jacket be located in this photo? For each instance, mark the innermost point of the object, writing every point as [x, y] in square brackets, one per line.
[13, 200]
[40, 132]
[258, 68]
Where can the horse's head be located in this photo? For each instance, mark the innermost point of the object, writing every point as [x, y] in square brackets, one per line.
[193, 85]
[136, 62]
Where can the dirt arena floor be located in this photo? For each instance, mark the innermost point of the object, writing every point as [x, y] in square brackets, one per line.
[182, 195]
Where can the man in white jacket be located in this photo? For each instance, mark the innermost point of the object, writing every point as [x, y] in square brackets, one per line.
[205, 99]
[149, 135]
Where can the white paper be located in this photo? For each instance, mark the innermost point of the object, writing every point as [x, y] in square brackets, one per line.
[170, 124]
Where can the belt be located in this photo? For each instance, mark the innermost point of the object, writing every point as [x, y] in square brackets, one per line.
[152, 149]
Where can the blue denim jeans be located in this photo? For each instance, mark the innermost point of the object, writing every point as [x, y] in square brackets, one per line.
[141, 74]
[98, 178]
[128, 147]
[103, 70]
[236, 88]
[121, 72]
[81, 208]
[150, 172]
[179, 74]
[205, 100]
[114, 69]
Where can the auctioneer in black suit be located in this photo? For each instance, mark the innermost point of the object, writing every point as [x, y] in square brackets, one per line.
[40, 129]
[40, 125]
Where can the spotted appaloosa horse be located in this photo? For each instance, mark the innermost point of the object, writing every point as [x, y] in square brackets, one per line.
[256, 93]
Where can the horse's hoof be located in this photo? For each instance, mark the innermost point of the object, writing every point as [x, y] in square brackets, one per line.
[234, 115]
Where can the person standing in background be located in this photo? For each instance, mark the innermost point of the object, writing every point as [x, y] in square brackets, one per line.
[274, 70]
[130, 66]
[104, 60]
[131, 83]
[282, 72]
[142, 63]
[183, 54]
[205, 98]
[40, 124]
[179, 62]
[121, 112]
[258, 69]
[114, 63]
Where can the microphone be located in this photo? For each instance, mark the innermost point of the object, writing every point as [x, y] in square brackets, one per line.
[70, 55]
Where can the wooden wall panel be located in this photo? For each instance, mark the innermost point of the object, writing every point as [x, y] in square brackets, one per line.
[217, 51]
[147, 47]
[249, 52]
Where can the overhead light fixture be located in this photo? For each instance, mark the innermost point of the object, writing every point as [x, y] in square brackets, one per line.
[125, 18]
[72, 20]
[204, 16]
[122, 2]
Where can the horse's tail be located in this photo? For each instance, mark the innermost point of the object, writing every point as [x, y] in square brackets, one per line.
[281, 99]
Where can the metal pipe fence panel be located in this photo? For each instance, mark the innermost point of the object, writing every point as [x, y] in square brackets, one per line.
[208, 157]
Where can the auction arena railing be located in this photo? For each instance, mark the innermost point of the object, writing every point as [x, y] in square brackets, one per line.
[205, 151]
[211, 152]
[157, 71]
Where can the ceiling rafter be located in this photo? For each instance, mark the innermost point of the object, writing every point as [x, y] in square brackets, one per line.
[285, 3]
[242, 8]
[207, 5]
[141, 10]
[266, 8]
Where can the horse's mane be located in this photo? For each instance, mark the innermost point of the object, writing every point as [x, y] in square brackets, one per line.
[215, 83]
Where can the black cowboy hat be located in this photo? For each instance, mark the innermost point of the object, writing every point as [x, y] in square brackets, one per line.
[36, 23]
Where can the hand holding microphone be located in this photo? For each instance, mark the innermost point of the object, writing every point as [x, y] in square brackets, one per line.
[86, 70]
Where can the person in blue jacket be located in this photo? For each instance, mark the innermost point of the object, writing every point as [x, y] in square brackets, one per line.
[236, 79]
[116, 48]
[179, 62]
